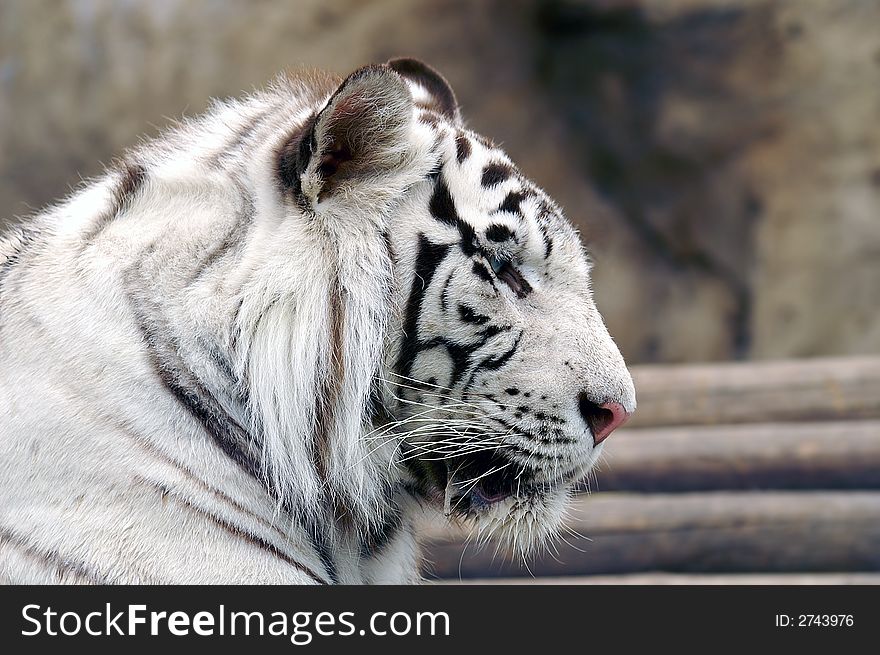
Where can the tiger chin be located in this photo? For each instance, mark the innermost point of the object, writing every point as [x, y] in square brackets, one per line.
[258, 348]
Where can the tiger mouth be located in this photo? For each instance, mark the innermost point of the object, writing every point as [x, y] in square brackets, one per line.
[470, 489]
[475, 483]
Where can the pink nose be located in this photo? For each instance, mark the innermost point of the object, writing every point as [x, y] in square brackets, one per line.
[603, 419]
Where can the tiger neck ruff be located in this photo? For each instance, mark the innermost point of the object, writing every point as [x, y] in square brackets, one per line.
[258, 347]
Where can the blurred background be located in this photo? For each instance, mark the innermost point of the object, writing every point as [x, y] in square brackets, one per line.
[720, 157]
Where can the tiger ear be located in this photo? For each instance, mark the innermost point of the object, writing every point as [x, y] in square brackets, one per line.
[438, 94]
[360, 133]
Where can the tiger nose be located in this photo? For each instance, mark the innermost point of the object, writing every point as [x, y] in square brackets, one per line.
[602, 419]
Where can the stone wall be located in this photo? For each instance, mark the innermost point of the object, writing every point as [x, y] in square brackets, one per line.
[721, 157]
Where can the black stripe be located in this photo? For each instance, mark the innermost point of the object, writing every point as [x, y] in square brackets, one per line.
[442, 208]
[462, 147]
[429, 117]
[190, 392]
[243, 134]
[22, 241]
[428, 258]
[492, 363]
[53, 558]
[224, 367]
[469, 243]
[239, 532]
[496, 173]
[235, 333]
[468, 315]
[434, 174]
[546, 210]
[491, 330]
[483, 273]
[217, 252]
[462, 354]
[232, 240]
[227, 434]
[152, 451]
[459, 354]
[442, 205]
[548, 242]
[379, 537]
[512, 202]
[389, 248]
[132, 177]
[498, 233]
[319, 538]
[444, 300]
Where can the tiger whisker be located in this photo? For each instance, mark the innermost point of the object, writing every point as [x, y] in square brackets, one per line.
[446, 456]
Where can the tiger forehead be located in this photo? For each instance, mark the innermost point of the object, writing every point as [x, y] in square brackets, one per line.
[479, 191]
[490, 192]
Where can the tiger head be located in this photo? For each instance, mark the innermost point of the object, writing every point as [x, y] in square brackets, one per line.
[500, 380]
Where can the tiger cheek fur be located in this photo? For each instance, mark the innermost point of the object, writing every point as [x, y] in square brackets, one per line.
[258, 346]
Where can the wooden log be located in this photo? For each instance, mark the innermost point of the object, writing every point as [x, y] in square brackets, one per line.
[818, 455]
[721, 532]
[685, 579]
[757, 392]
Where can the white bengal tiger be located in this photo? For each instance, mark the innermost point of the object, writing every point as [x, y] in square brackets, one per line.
[255, 349]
